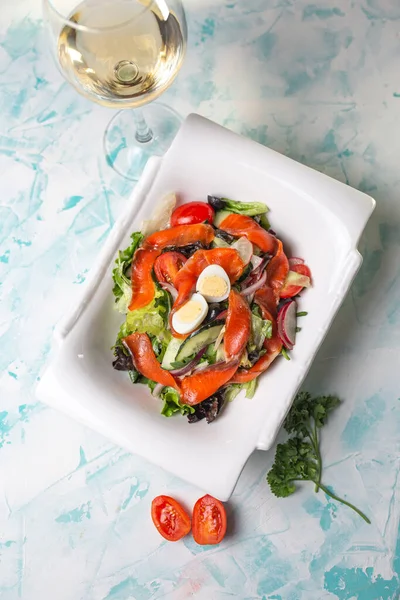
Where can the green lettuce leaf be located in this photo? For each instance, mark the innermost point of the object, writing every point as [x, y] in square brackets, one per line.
[261, 329]
[172, 403]
[232, 390]
[122, 289]
[251, 209]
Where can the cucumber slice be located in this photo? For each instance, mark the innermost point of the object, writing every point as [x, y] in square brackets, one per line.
[198, 340]
[170, 353]
[220, 215]
[220, 243]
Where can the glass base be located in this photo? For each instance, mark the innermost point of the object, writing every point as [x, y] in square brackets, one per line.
[125, 153]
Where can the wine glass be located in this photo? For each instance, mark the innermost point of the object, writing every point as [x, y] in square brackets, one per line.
[123, 54]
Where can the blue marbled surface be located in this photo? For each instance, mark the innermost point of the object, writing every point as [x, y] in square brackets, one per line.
[319, 81]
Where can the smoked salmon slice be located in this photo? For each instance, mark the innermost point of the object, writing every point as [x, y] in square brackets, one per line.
[238, 326]
[202, 385]
[181, 235]
[277, 270]
[239, 225]
[143, 288]
[145, 361]
[186, 278]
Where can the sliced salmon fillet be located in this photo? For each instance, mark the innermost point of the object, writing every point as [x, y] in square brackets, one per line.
[202, 385]
[238, 326]
[238, 225]
[181, 235]
[143, 288]
[145, 361]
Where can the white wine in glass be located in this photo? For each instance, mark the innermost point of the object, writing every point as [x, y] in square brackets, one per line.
[123, 54]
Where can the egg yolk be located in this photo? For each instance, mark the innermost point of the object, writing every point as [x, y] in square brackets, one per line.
[213, 286]
[189, 311]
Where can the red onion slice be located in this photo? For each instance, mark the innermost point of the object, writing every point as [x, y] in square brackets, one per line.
[170, 288]
[255, 286]
[190, 365]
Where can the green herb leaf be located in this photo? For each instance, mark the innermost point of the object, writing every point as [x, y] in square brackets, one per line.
[299, 459]
[284, 353]
[303, 313]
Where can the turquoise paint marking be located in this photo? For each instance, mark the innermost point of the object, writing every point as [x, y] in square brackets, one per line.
[4, 258]
[279, 574]
[5, 427]
[21, 243]
[75, 515]
[7, 544]
[259, 134]
[71, 202]
[20, 38]
[132, 492]
[396, 95]
[44, 118]
[324, 512]
[127, 589]
[82, 457]
[13, 375]
[8, 222]
[389, 235]
[362, 423]
[348, 584]
[312, 10]
[19, 101]
[207, 29]
[329, 144]
[265, 44]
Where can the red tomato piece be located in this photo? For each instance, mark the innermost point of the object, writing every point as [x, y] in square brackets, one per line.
[167, 266]
[293, 290]
[171, 520]
[191, 213]
[208, 521]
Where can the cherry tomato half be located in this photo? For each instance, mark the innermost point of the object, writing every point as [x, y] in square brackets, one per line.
[167, 266]
[191, 213]
[208, 521]
[293, 290]
[171, 520]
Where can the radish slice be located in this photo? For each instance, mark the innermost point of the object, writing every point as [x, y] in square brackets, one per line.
[286, 322]
[290, 322]
[295, 260]
[244, 249]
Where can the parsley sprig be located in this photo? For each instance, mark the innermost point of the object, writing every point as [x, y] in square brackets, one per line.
[299, 459]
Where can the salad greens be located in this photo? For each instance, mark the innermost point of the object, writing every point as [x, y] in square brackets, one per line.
[249, 209]
[243, 249]
[172, 403]
[299, 459]
[122, 284]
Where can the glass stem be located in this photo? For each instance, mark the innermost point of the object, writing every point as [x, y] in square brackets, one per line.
[143, 132]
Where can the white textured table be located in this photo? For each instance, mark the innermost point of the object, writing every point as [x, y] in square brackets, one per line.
[317, 81]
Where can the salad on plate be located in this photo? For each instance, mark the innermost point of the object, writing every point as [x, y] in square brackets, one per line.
[209, 298]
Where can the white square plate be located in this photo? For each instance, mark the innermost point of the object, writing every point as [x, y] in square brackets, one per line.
[318, 218]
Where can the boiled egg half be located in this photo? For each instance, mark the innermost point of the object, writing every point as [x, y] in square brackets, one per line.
[213, 283]
[190, 315]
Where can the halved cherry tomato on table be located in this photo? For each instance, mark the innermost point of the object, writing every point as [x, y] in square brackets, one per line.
[167, 266]
[292, 290]
[171, 520]
[191, 213]
[208, 521]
